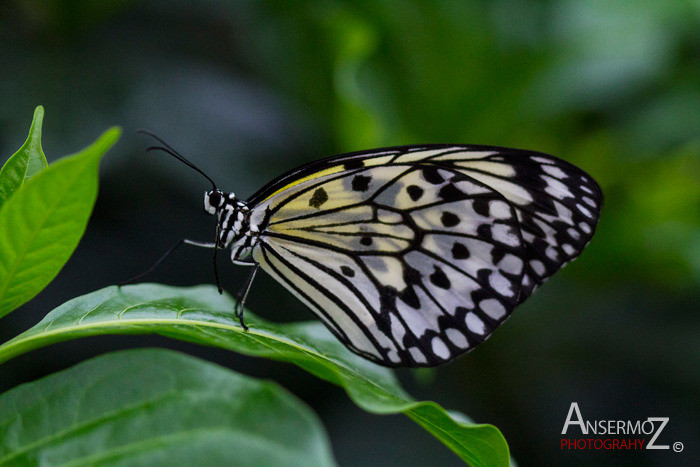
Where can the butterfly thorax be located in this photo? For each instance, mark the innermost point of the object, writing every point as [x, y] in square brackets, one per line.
[233, 225]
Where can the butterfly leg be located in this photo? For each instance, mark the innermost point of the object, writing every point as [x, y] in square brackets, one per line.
[216, 268]
[243, 295]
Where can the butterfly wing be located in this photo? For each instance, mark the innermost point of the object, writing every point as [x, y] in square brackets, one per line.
[414, 255]
[557, 204]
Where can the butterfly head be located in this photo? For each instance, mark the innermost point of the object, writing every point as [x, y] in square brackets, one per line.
[232, 215]
[214, 200]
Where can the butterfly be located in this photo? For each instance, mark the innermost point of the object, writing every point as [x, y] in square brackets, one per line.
[410, 255]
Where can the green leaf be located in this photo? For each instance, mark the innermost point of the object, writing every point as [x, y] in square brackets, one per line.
[157, 407]
[28, 161]
[201, 315]
[42, 223]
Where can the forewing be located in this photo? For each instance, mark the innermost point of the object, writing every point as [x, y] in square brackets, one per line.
[414, 255]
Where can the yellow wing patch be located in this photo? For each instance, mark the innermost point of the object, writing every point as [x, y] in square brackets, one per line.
[322, 173]
[366, 162]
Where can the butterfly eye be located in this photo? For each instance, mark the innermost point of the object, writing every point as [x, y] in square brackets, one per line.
[215, 199]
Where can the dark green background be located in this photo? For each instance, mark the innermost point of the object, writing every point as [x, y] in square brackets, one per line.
[248, 90]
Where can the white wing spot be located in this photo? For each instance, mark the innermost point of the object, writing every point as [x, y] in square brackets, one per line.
[551, 253]
[556, 188]
[475, 324]
[499, 209]
[589, 201]
[563, 212]
[573, 233]
[554, 171]
[585, 227]
[457, 338]
[568, 249]
[493, 308]
[511, 264]
[504, 234]
[393, 356]
[501, 284]
[586, 189]
[538, 267]
[417, 355]
[585, 211]
[439, 348]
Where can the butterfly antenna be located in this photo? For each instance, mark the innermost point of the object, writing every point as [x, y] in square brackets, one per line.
[169, 149]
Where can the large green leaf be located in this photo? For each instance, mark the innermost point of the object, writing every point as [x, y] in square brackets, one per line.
[42, 223]
[201, 315]
[28, 161]
[157, 407]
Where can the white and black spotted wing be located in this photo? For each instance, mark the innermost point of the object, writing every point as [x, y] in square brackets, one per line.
[414, 255]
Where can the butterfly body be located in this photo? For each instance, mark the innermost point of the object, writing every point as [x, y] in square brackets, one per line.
[234, 229]
[413, 255]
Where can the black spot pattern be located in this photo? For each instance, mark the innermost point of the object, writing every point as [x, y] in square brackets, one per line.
[484, 231]
[459, 251]
[414, 192]
[481, 207]
[449, 219]
[411, 275]
[347, 271]
[361, 183]
[409, 297]
[366, 240]
[431, 175]
[439, 278]
[319, 197]
[354, 164]
[451, 193]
